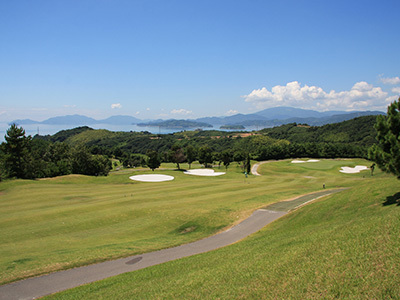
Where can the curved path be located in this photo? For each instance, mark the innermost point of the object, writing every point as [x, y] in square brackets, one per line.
[254, 168]
[35, 287]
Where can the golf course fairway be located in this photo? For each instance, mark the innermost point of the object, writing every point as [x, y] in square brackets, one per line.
[341, 245]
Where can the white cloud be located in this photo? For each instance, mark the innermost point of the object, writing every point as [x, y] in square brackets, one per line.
[231, 112]
[391, 99]
[181, 112]
[396, 90]
[361, 96]
[116, 105]
[390, 80]
[70, 106]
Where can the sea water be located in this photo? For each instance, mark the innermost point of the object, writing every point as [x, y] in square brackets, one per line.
[47, 129]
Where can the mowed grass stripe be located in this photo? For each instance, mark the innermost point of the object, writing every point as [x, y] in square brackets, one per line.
[85, 197]
[73, 220]
[344, 246]
[89, 212]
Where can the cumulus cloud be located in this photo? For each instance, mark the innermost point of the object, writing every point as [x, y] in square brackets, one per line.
[231, 112]
[361, 96]
[390, 80]
[391, 99]
[181, 112]
[396, 90]
[116, 105]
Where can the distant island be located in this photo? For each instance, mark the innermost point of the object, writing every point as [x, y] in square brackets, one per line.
[266, 118]
[176, 124]
[232, 127]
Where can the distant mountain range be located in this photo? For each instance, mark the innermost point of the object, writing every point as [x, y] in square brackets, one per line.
[283, 115]
[266, 118]
[81, 120]
[177, 124]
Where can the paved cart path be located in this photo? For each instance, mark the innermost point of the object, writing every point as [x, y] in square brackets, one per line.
[254, 168]
[35, 287]
[44, 285]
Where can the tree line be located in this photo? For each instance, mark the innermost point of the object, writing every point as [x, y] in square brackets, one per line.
[84, 150]
[27, 158]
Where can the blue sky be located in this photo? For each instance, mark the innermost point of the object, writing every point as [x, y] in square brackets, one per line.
[188, 59]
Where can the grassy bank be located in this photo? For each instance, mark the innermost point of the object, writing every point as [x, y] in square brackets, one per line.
[58, 223]
[345, 246]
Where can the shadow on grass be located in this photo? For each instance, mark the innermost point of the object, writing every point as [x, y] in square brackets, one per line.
[395, 199]
[179, 170]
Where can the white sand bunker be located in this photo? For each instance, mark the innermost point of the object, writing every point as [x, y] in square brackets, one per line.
[152, 178]
[304, 161]
[204, 172]
[356, 169]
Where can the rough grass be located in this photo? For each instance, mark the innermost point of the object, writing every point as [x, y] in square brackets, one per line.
[58, 223]
[345, 246]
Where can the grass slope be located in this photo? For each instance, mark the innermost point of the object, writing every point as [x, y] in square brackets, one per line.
[344, 246]
[59, 223]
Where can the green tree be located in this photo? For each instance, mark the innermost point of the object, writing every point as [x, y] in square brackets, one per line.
[247, 164]
[216, 158]
[80, 160]
[239, 156]
[100, 165]
[85, 163]
[133, 160]
[190, 152]
[176, 155]
[56, 160]
[153, 161]
[17, 158]
[227, 158]
[205, 156]
[2, 170]
[386, 153]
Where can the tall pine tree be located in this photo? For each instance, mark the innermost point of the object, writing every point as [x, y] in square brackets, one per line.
[17, 158]
[386, 153]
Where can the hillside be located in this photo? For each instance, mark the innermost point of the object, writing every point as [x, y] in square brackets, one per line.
[344, 246]
[284, 115]
[359, 131]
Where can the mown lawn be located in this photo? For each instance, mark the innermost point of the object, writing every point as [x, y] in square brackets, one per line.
[344, 246]
[53, 224]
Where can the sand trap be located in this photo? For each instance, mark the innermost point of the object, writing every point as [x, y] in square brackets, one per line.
[152, 178]
[297, 161]
[356, 169]
[204, 172]
[304, 161]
